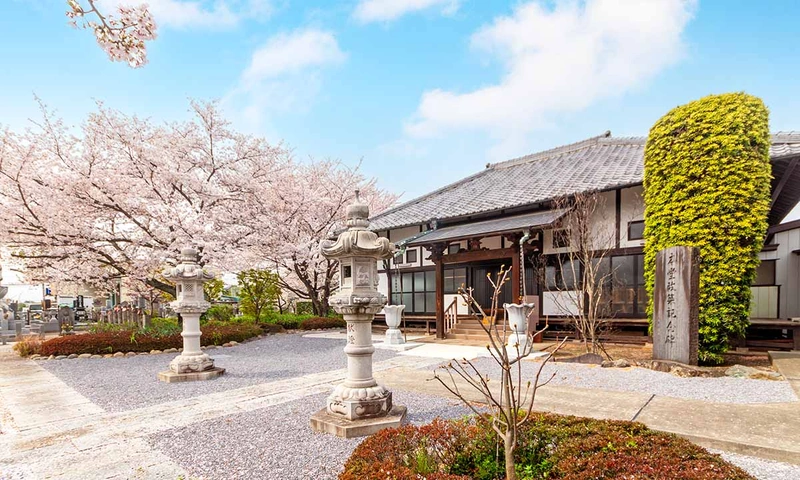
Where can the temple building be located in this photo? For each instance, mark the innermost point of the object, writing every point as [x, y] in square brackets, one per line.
[510, 214]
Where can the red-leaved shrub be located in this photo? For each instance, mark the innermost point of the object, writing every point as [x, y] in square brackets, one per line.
[129, 341]
[551, 446]
[316, 323]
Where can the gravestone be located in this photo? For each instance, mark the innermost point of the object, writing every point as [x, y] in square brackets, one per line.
[675, 305]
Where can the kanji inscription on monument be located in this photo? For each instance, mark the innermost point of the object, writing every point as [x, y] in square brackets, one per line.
[675, 304]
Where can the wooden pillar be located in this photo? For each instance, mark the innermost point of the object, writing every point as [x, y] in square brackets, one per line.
[516, 268]
[437, 251]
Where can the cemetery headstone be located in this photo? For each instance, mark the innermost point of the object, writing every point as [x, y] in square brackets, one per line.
[675, 305]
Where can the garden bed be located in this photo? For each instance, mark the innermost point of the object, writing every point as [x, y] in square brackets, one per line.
[550, 446]
[99, 343]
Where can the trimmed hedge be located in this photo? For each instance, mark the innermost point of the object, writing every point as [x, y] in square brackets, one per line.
[317, 323]
[132, 341]
[551, 446]
[707, 180]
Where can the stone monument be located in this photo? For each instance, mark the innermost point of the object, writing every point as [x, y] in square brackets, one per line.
[193, 363]
[675, 305]
[359, 406]
[518, 314]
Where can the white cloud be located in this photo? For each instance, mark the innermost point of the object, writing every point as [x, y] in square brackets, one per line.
[387, 10]
[293, 52]
[284, 75]
[557, 60]
[199, 13]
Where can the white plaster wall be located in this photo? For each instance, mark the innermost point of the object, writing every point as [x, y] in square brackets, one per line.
[383, 284]
[492, 243]
[604, 221]
[602, 224]
[560, 303]
[425, 257]
[461, 306]
[631, 210]
[399, 234]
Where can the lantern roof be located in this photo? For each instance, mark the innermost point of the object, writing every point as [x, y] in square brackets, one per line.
[357, 240]
[188, 268]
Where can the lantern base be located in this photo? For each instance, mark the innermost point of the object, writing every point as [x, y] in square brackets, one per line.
[171, 377]
[191, 363]
[394, 337]
[324, 422]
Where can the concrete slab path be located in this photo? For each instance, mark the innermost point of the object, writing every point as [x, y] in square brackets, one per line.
[788, 365]
[770, 431]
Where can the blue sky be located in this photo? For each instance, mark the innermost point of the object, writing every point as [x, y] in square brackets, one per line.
[422, 92]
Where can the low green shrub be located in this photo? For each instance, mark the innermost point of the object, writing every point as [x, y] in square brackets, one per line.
[289, 321]
[162, 327]
[304, 308]
[550, 447]
[214, 333]
[316, 323]
[218, 313]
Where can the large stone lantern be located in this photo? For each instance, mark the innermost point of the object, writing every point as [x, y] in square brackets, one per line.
[193, 363]
[359, 406]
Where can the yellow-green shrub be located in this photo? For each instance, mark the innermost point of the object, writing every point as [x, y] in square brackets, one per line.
[707, 184]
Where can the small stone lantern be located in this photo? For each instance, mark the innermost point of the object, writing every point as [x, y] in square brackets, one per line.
[359, 406]
[190, 303]
[518, 314]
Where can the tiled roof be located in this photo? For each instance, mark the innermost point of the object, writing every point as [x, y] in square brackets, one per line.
[494, 226]
[598, 163]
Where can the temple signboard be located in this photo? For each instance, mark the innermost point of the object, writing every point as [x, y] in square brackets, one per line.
[675, 305]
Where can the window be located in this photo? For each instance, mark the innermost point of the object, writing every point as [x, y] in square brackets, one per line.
[626, 291]
[562, 275]
[411, 256]
[454, 278]
[636, 230]
[415, 290]
[453, 248]
[560, 238]
[765, 274]
[347, 271]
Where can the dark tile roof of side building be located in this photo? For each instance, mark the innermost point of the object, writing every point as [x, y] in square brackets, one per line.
[598, 163]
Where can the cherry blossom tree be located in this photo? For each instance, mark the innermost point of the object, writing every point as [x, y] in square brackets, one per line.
[306, 211]
[124, 195]
[122, 35]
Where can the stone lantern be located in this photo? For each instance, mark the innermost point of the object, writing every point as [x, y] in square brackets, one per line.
[359, 406]
[190, 303]
[518, 314]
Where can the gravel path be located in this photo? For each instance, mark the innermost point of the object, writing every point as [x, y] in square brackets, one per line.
[277, 442]
[119, 384]
[722, 390]
[763, 469]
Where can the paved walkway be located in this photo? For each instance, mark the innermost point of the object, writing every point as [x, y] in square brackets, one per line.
[50, 431]
[788, 364]
[770, 431]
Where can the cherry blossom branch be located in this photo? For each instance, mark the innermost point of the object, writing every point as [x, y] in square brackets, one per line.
[122, 36]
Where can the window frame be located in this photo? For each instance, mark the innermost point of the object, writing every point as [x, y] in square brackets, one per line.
[409, 291]
[774, 274]
[409, 253]
[630, 237]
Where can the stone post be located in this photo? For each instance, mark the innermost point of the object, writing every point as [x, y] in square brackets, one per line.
[675, 305]
[193, 363]
[359, 406]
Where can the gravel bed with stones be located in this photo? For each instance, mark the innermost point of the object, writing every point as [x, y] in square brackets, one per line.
[277, 442]
[119, 384]
[634, 379]
[762, 469]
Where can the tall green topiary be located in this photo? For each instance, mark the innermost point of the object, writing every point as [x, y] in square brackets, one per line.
[707, 184]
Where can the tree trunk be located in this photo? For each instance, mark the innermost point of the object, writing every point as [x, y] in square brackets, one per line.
[509, 444]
